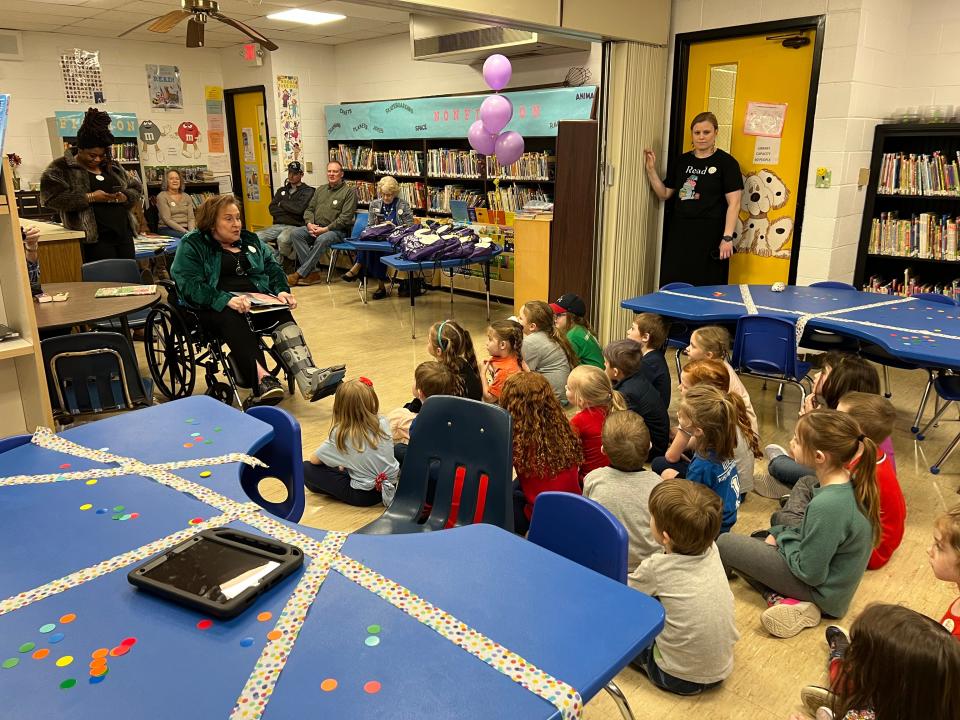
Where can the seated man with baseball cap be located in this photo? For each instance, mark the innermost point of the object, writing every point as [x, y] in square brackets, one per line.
[287, 208]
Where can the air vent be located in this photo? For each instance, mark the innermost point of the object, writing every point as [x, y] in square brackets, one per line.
[11, 45]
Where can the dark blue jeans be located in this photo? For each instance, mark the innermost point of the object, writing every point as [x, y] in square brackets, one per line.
[645, 663]
[660, 464]
[787, 470]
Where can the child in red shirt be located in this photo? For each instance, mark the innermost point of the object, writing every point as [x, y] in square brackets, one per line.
[504, 340]
[590, 390]
[546, 451]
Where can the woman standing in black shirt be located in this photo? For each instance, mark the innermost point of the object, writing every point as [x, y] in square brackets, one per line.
[707, 184]
[93, 192]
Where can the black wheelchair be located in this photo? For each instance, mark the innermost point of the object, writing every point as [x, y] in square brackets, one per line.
[176, 344]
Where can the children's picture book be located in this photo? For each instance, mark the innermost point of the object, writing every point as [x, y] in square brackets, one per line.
[261, 301]
[126, 291]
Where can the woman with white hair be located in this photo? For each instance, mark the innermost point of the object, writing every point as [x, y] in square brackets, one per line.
[389, 207]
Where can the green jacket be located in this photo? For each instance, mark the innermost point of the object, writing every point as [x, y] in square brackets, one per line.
[196, 269]
[333, 208]
[830, 550]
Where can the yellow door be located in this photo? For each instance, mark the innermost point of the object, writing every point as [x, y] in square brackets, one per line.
[758, 90]
[250, 146]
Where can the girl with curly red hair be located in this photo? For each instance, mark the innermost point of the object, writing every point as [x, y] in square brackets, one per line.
[546, 451]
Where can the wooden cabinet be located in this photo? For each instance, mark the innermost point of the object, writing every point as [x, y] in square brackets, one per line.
[60, 253]
[532, 251]
[24, 402]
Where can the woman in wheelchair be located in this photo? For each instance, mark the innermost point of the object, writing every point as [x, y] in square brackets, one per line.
[220, 258]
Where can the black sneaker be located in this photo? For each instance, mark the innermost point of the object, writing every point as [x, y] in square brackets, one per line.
[838, 641]
[380, 294]
[760, 534]
[269, 392]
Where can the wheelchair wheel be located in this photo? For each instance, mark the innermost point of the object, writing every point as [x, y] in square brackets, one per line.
[169, 353]
[220, 391]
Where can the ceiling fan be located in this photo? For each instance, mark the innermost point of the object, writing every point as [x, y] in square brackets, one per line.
[199, 12]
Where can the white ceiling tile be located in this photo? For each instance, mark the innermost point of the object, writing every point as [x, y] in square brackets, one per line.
[28, 21]
[361, 11]
[54, 9]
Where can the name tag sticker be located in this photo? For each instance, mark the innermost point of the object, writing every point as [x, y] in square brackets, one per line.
[251, 248]
[334, 202]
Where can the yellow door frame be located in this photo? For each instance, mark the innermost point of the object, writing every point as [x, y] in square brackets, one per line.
[681, 58]
[236, 162]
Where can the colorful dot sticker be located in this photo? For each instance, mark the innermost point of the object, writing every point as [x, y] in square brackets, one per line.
[217, 429]
[274, 635]
[373, 629]
[86, 506]
[372, 641]
[329, 685]
[118, 508]
[246, 642]
[196, 521]
[188, 445]
[99, 653]
[48, 628]
[264, 616]
[64, 466]
[208, 442]
[55, 638]
[119, 650]
[204, 624]
[194, 434]
[91, 481]
[102, 511]
[129, 642]
[26, 647]
[68, 683]
[10, 663]
[64, 661]
[198, 439]
[68, 618]
[40, 654]
[98, 663]
[206, 473]
[371, 687]
[190, 421]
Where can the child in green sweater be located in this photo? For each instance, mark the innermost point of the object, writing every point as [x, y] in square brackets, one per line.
[815, 569]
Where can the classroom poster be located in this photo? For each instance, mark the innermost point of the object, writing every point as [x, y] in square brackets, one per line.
[82, 81]
[764, 119]
[213, 96]
[163, 87]
[249, 149]
[251, 183]
[288, 100]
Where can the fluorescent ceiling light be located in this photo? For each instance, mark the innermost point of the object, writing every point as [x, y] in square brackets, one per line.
[307, 17]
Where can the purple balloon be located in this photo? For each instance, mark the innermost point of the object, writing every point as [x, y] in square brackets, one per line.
[509, 147]
[495, 112]
[480, 140]
[497, 71]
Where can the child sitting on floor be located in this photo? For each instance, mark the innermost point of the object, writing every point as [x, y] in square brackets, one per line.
[624, 362]
[709, 418]
[546, 452]
[840, 373]
[589, 390]
[355, 464]
[452, 345]
[694, 651]
[624, 487]
[546, 350]
[504, 343]
[875, 415]
[650, 331]
[815, 568]
[429, 379]
[569, 311]
[944, 556]
[712, 372]
[900, 665]
[713, 342]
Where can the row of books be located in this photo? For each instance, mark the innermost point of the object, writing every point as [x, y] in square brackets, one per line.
[923, 235]
[122, 151]
[398, 162]
[512, 198]
[911, 174]
[530, 166]
[190, 173]
[911, 286]
[352, 157]
[444, 162]
[198, 198]
[440, 197]
[366, 191]
[415, 194]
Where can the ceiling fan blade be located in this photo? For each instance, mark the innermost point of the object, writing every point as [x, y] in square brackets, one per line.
[194, 33]
[265, 42]
[166, 23]
[140, 25]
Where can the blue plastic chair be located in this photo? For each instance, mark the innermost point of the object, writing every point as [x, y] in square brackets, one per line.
[766, 347]
[14, 441]
[115, 270]
[833, 285]
[584, 531]
[880, 356]
[948, 389]
[466, 446]
[284, 458]
[359, 224]
[678, 335]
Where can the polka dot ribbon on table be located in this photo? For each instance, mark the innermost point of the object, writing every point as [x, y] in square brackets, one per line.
[748, 302]
[324, 555]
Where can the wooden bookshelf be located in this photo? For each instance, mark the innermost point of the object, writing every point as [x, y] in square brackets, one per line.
[24, 401]
[931, 273]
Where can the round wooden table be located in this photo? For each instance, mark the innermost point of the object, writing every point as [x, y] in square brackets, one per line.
[82, 308]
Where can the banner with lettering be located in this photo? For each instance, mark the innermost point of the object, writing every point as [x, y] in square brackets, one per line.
[121, 124]
[536, 113]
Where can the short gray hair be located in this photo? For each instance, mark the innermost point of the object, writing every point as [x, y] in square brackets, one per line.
[388, 184]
